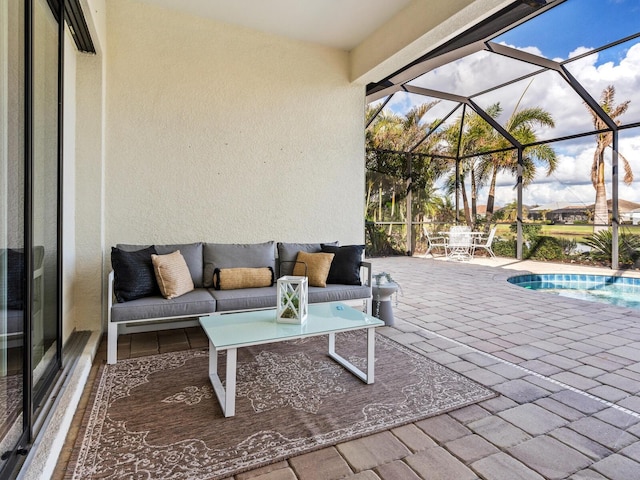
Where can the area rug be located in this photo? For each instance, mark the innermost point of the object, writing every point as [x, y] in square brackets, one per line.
[158, 417]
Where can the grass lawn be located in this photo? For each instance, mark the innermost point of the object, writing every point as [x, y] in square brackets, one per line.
[576, 232]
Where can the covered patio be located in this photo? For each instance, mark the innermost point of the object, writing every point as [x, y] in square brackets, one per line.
[567, 373]
[189, 125]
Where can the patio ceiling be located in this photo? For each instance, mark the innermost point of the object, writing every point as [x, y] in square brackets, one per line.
[340, 24]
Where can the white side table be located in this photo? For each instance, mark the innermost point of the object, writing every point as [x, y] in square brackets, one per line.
[381, 305]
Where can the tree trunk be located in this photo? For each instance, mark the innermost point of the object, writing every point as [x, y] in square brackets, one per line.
[601, 212]
[465, 203]
[492, 192]
[474, 195]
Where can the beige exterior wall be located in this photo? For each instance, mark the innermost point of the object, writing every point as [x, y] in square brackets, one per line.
[224, 134]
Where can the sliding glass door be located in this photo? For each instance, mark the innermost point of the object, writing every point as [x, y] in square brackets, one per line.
[12, 226]
[45, 198]
[29, 221]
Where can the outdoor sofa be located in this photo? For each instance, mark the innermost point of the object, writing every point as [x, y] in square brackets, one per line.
[223, 278]
[13, 262]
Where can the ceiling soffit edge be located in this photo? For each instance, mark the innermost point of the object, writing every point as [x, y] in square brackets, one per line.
[470, 41]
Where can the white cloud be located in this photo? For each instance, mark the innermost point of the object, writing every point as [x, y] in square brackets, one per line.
[571, 181]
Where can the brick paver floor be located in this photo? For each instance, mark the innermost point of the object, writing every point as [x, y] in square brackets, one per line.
[567, 373]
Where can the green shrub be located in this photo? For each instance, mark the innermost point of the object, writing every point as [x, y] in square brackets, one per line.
[378, 243]
[505, 248]
[530, 231]
[545, 248]
[601, 246]
[568, 245]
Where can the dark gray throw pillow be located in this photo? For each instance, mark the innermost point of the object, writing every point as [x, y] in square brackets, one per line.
[345, 267]
[15, 279]
[133, 274]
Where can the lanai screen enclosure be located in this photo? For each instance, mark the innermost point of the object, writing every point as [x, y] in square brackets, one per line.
[574, 63]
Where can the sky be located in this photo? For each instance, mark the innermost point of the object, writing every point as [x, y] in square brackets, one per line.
[564, 32]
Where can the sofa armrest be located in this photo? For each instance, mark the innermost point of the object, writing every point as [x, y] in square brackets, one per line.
[110, 292]
[366, 278]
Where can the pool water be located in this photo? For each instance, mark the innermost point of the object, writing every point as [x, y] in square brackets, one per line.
[621, 291]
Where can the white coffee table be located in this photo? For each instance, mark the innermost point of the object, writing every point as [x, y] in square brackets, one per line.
[228, 332]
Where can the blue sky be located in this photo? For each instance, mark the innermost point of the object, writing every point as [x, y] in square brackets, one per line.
[572, 25]
[577, 23]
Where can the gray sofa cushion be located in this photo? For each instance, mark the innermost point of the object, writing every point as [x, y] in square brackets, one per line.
[337, 293]
[287, 253]
[253, 298]
[235, 255]
[244, 298]
[192, 253]
[14, 322]
[129, 247]
[196, 302]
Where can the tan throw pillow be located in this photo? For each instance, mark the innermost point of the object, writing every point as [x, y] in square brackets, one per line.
[232, 278]
[172, 274]
[318, 265]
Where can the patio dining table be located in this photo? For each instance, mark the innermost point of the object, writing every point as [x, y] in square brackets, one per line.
[459, 243]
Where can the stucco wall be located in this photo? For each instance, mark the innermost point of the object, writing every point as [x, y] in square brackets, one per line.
[224, 134]
[69, 188]
[89, 289]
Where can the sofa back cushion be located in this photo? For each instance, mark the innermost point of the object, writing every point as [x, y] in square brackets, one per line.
[192, 253]
[237, 255]
[288, 252]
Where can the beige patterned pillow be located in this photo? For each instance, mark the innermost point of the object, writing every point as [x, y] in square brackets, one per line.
[172, 274]
[317, 267]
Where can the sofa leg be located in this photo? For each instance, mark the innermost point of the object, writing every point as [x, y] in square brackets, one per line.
[112, 343]
[368, 306]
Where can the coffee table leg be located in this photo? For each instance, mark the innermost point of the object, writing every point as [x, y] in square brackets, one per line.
[226, 397]
[368, 377]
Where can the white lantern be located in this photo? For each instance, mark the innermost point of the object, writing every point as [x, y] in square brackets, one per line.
[293, 300]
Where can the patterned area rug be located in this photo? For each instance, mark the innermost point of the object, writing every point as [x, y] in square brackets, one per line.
[158, 417]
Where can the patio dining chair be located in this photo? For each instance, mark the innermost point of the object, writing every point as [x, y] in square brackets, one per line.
[485, 243]
[435, 242]
[460, 244]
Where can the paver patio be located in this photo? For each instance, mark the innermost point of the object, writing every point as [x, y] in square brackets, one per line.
[568, 374]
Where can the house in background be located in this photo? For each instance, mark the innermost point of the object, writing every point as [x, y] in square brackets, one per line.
[558, 212]
[631, 216]
[570, 213]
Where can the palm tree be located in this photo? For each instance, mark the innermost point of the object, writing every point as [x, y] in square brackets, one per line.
[476, 137]
[604, 140]
[521, 125]
[389, 139]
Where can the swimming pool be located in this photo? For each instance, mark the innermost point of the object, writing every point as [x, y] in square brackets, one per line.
[621, 291]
